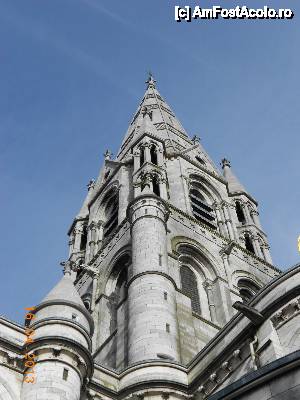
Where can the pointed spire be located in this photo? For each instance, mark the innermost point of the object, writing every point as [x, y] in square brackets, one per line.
[234, 185]
[163, 118]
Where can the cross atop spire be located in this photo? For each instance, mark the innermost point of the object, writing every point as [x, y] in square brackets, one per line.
[150, 81]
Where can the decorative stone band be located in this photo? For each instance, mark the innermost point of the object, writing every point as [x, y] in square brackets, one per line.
[83, 310]
[63, 321]
[53, 349]
[286, 313]
[226, 367]
[147, 201]
[152, 273]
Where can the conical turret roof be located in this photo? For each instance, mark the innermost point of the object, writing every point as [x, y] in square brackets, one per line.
[64, 291]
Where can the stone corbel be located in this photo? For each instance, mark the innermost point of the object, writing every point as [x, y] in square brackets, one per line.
[228, 248]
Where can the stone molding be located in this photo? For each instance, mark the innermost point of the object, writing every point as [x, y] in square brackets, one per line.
[286, 313]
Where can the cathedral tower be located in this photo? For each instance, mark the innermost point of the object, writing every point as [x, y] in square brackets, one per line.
[169, 291]
[164, 244]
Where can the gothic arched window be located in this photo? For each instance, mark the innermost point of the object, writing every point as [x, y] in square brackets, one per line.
[248, 243]
[239, 212]
[190, 287]
[155, 183]
[153, 154]
[111, 211]
[201, 209]
[247, 289]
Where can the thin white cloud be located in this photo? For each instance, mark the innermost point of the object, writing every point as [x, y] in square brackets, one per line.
[152, 35]
[45, 34]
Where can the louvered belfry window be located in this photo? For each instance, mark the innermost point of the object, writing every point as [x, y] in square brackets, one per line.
[201, 210]
[190, 287]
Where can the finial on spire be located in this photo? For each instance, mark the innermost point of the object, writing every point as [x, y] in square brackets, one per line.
[196, 139]
[225, 163]
[67, 267]
[151, 81]
[91, 184]
[107, 155]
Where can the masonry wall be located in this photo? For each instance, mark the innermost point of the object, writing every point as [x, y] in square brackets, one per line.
[284, 387]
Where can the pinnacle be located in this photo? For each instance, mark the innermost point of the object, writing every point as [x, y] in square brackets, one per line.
[234, 185]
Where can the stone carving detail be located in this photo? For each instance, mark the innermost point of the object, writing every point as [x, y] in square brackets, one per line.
[56, 351]
[217, 377]
[286, 313]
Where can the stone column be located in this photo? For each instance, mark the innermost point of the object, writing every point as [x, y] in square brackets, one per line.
[231, 208]
[92, 232]
[124, 192]
[256, 219]
[247, 214]
[163, 188]
[136, 160]
[152, 327]
[220, 221]
[256, 246]
[99, 235]
[77, 236]
[147, 152]
[267, 255]
[228, 221]
[207, 284]
[160, 156]
[227, 268]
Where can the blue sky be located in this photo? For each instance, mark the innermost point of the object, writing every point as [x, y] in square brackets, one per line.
[71, 75]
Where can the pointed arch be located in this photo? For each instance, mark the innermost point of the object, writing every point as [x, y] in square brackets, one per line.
[207, 184]
[245, 276]
[247, 289]
[214, 268]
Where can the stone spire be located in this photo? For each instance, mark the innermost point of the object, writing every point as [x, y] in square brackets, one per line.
[162, 117]
[234, 185]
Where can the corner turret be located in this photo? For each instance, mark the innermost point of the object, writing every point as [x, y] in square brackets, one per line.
[61, 344]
